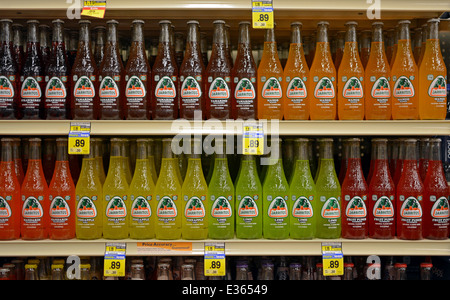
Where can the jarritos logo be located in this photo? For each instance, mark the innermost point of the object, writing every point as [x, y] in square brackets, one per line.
[32, 208]
[221, 208]
[140, 208]
[6, 88]
[108, 88]
[353, 89]
[383, 208]
[55, 88]
[438, 87]
[190, 88]
[5, 209]
[272, 89]
[30, 88]
[84, 88]
[244, 90]
[296, 89]
[331, 209]
[59, 208]
[278, 208]
[381, 88]
[324, 88]
[195, 208]
[247, 207]
[356, 208]
[166, 208]
[86, 208]
[411, 208]
[116, 208]
[219, 89]
[135, 88]
[302, 208]
[403, 88]
[440, 209]
[165, 88]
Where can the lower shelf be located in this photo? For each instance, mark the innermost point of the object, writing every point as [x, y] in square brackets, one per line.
[234, 247]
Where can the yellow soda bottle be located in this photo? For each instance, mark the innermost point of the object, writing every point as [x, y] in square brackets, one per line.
[89, 195]
[142, 187]
[115, 194]
[194, 191]
[167, 195]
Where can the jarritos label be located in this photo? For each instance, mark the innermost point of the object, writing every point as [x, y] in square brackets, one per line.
[86, 208]
[296, 89]
[244, 90]
[6, 88]
[411, 208]
[116, 208]
[272, 89]
[324, 89]
[278, 208]
[165, 88]
[219, 89]
[108, 88]
[135, 88]
[59, 208]
[383, 208]
[302, 208]
[356, 208]
[84, 88]
[140, 208]
[166, 208]
[30, 88]
[32, 208]
[5, 208]
[55, 89]
[221, 208]
[190, 88]
[331, 209]
[381, 89]
[353, 89]
[195, 208]
[248, 207]
[438, 87]
[403, 88]
[440, 209]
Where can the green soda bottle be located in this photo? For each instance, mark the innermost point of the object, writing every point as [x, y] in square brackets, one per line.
[221, 197]
[142, 188]
[248, 200]
[275, 197]
[328, 194]
[302, 193]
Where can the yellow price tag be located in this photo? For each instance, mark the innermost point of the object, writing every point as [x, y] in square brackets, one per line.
[94, 8]
[214, 259]
[262, 14]
[114, 263]
[332, 259]
[253, 139]
[79, 138]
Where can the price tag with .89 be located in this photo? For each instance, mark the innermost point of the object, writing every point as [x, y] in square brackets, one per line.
[214, 259]
[114, 263]
[332, 259]
[262, 14]
[79, 138]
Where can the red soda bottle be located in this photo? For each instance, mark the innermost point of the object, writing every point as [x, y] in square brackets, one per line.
[9, 194]
[409, 194]
[354, 194]
[381, 194]
[436, 193]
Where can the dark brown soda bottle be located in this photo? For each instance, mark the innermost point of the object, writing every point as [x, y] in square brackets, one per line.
[218, 74]
[243, 74]
[137, 76]
[9, 74]
[18, 45]
[192, 75]
[32, 77]
[84, 83]
[57, 75]
[165, 77]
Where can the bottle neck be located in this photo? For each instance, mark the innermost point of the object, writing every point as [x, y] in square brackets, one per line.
[138, 33]
[270, 36]
[377, 33]
[322, 33]
[17, 36]
[44, 36]
[326, 150]
[141, 150]
[244, 34]
[301, 150]
[34, 152]
[410, 150]
[295, 34]
[6, 33]
[7, 152]
[350, 35]
[167, 149]
[433, 30]
[435, 150]
[62, 151]
[32, 33]
[403, 33]
[84, 40]
[164, 36]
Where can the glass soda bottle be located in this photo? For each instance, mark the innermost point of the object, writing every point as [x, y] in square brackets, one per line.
[296, 72]
[354, 189]
[243, 74]
[168, 193]
[323, 105]
[142, 188]
[34, 225]
[436, 209]
[218, 74]
[9, 74]
[89, 195]
[381, 194]
[275, 196]
[302, 193]
[115, 194]
[165, 77]
[270, 76]
[248, 200]
[57, 97]
[194, 192]
[221, 196]
[62, 196]
[111, 77]
[32, 76]
[9, 194]
[376, 79]
[137, 76]
[328, 193]
[432, 77]
[404, 78]
[192, 73]
[410, 191]
[350, 74]
[84, 83]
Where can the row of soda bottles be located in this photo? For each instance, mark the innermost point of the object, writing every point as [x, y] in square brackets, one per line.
[399, 196]
[98, 85]
[237, 268]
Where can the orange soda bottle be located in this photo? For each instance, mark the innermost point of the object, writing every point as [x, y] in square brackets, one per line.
[323, 78]
[404, 76]
[432, 77]
[350, 75]
[61, 193]
[376, 81]
[296, 72]
[270, 76]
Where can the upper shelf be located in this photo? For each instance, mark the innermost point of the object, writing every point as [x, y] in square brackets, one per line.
[282, 128]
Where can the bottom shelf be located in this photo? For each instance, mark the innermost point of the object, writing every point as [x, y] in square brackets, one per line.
[234, 247]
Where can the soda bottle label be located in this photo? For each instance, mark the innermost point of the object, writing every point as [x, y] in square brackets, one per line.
[356, 207]
[381, 89]
[191, 92]
[352, 90]
[324, 89]
[219, 93]
[331, 209]
[86, 208]
[116, 210]
[31, 92]
[135, 91]
[411, 209]
[403, 89]
[6, 91]
[272, 90]
[244, 90]
[140, 207]
[167, 207]
[5, 210]
[248, 207]
[84, 92]
[221, 207]
[59, 208]
[195, 209]
[302, 207]
[165, 92]
[440, 209]
[32, 209]
[437, 88]
[55, 92]
[296, 90]
[383, 209]
[278, 208]
[109, 92]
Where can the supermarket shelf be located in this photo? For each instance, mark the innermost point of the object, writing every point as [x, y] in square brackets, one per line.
[282, 128]
[20, 248]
